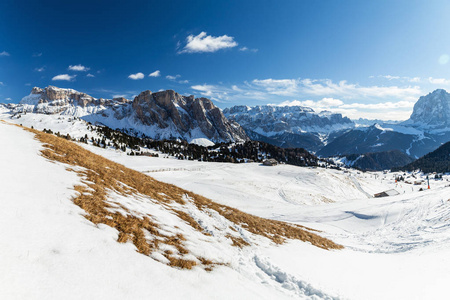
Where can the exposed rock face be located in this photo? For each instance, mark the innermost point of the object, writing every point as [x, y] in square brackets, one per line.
[52, 100]
[426, 130]
[168, 108]
[270, 119]
[160, 115]
[62, 96]
[289, 126]
[432, 110]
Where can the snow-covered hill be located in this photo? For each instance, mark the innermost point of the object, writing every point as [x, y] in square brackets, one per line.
[161, 115]
[395, 247]
[58, 241]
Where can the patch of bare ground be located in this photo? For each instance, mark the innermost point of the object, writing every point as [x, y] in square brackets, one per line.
[100, 175]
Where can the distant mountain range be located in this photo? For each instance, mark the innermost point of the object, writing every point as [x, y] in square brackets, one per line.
[169, 115]
[289, 126]
[161, 115]
[426, 129]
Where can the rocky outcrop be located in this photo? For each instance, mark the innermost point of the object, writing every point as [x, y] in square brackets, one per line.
[432, 110]
[289, 126]
[161, 115]
[185, 114]
[60, 99]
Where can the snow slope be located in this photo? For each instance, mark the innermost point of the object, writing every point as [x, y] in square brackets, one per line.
[49, 250]
[396, 247]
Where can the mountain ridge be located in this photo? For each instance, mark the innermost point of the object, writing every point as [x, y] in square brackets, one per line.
[289, 126]
[436, 161]
[160, 115]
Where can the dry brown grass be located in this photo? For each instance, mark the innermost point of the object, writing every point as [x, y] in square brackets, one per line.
[237, 241]
[101, 175]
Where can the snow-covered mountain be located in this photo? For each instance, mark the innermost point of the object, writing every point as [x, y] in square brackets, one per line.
[378, 161]
[431, 111]
[161, 115]
[289, 126]
[426, 130]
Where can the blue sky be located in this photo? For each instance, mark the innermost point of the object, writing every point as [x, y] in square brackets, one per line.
[361, 58]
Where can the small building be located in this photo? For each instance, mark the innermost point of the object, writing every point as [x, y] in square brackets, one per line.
[270, 162]
[386, 193]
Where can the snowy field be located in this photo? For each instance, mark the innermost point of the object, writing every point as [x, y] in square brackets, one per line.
[395, 247]
[49, 250]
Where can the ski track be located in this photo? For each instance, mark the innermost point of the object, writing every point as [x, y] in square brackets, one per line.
[284, 280]
[358, 186]
[404, 226]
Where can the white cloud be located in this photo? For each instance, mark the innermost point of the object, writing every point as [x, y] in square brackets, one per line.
[400, 78]
[1, 83]
[136, 76]
[90, 75]
[326, 87]
[246, 49]
[66, 77]
[390, 77]
[157, 73]
[8, 99]
[78, 68]
[41, 69]
[441, 81]
[382, 110]
[325, 103]
[350, 99]
[222, 93]
[329, 102]
[184, 81]
[37, 54]
[207, 43]
[205, 89]
[170, 77]
[213, 92]
[4, 53]
[281, 87]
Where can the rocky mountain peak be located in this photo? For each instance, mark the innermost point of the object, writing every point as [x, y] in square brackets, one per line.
[271, 119]
[62, 98]
[52, 93]
[36, 90]
[432, 109]
[167, 109]
[160, 115]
